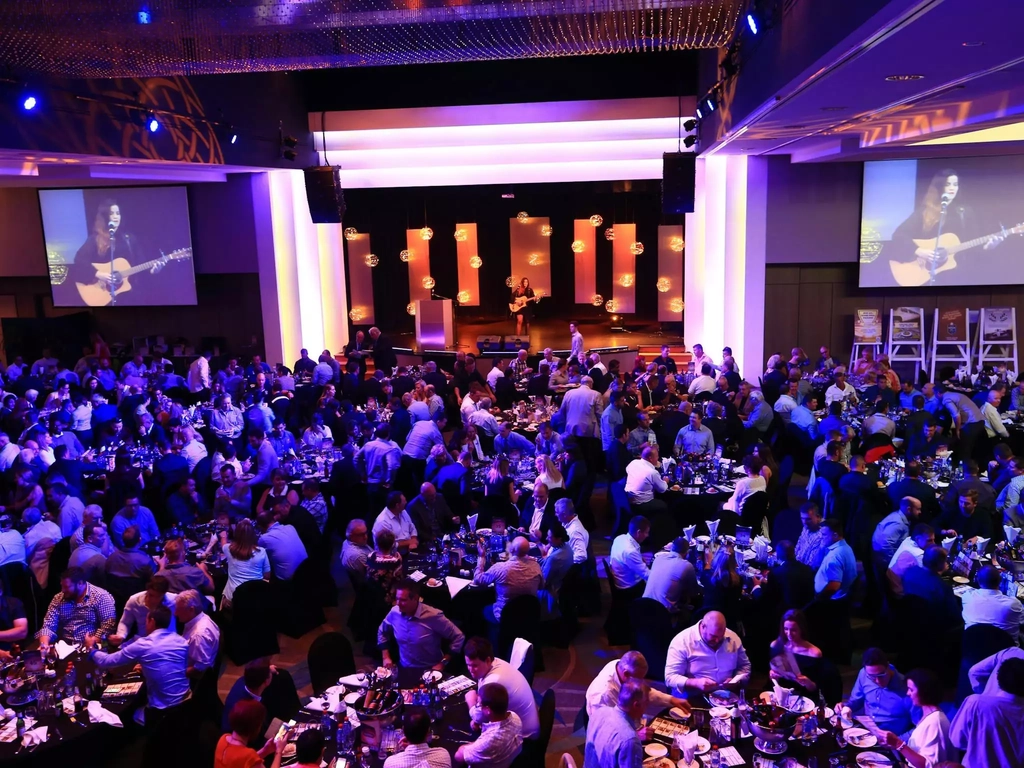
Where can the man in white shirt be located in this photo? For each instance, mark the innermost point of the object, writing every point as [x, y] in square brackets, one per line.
[626, 563]
[643, 480]
[987, 605]
[841, 390]
[199, 631]
[993, 421]
[9, 451]
[484, 668]
[42, 365]
[706, 657]
[595, 362]
[787, 402]
[497, 372]
[579, 538]
[673, 579]
[603, 691]
[483, 419]
[879, 422]
[703, 383]
[199, 374]
[576, 352]
[700, 359]
[394, 518]
[133, 617]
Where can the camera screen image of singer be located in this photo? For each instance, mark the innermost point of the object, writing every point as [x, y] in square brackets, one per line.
[136, 248]
[956, 232]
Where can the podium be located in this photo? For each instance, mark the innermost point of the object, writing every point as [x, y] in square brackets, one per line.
[434, 324]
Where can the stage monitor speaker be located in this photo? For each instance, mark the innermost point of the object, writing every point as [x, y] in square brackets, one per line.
[488, 343]
[324, 195]
[678, 179]
[515, 343]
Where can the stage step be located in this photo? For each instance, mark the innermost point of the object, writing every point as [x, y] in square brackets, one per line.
[343, 361]
[679, 353]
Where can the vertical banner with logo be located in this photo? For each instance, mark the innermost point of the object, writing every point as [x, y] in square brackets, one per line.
[952, 325]
[998, 343]
[867, 326]
[906, 337]
[951, 338]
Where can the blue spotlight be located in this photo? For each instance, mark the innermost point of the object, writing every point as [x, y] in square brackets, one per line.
[752, 23]
[234, 137]
[153, 124]
[29, 102]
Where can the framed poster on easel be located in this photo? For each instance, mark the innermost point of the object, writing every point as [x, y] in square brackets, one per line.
[951, 339]
[906, 337]
[867, 332]
[998, 337]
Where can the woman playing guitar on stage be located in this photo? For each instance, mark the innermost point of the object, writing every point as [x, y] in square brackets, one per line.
[521, 305]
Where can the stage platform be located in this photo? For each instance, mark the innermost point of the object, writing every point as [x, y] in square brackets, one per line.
[554, 333]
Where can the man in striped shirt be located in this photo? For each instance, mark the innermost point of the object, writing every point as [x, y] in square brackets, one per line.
[78, 610]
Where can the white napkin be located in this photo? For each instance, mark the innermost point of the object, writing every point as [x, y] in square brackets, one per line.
[1012, 534]
[688, 532]
[99, 714]
[417, 575]
[33, 737]
[64, 649]
[947, 543]
[333, 701]
[739, 558]
[980, 544]
[456, 585]
[352, 681]
[781, 695]
[472, 522]
[687, 744]
[760, 550]
[712, 528]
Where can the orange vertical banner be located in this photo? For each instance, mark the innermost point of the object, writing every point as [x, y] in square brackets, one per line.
[585, 276]
[531, 252]
[469, 276]
[624, 269]
[670, 272]
[360, 280]
[419, 264]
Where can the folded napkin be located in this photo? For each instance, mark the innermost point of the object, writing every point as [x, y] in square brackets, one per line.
[781, 695]
[472, 522]
[688, 532]
[739, 559]
[456, 585]
[947, 543]
[712, 528]
[99, 714]
[34, 736]
[1012, 534]
[352, 681]
[417, 576]
[760, 550]
[980, 543]
[687, 744]
[64, 649]
[333, 701]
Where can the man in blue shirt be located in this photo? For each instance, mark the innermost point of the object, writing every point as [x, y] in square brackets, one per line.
[281, 439]
[894, 528]
[838, 571]
[881, 693]
[508, 441]
[134, 514]
[925, 581]
[612, 737]
[802, 417]
[907, 396]
[834, 421]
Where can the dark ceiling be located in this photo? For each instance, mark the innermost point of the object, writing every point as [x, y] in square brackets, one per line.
[111, 38]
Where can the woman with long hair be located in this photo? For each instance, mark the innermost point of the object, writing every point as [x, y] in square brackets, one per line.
[929, 743]
[792, 641]
[384, 565]
[245, 558]
[277, 491]
[548, 473]
[498, 480]
[524, 314]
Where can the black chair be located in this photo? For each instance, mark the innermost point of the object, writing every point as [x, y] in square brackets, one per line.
[978, 642]
[620, 504]
[534, 750]
[787, 466]
[919, 635]
[59, 558]
[15, 578]
[570, 596]
[754, 511]
[520, 617]
[651, 631]
[329, 657]
[251, 633]
[299, 607]
[786, 526]
[616, 626]
[528, 666]
[123, 587]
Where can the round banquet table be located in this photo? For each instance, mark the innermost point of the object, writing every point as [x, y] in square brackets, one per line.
[822, 750]
[67, 742]
[465, 609]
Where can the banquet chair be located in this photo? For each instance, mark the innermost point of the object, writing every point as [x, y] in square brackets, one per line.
[570, 595]
[533, 752]
[620, 506]
[754, 511]
[977, 643]
[298, 600]
[251, 633]
[523, 658]
[123, 587]
[329, 658]
[787, 466]
[919, 635]
[520, 618]
[59, 558]
[823, 495]
[616, 625]
[651, 631]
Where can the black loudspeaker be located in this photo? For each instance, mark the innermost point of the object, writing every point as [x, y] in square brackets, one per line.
[515, 343]
[324, 194]
[678, 178]
[488, 343]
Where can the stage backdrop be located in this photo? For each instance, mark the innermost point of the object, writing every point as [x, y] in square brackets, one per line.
[624, 268]
[360, 280]
[530, 252]
[419, 264]
[670, 273]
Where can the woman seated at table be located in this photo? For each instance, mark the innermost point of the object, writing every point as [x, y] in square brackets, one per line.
[723, 585]
[770, 468]
[246, 560]
[498, 481]
[548, 473]
[233, 750]
[277, 491]
[560, 376]
[792, 639]
[929, 743]
[574, 374]
[745, 486]
[384, 565]
[316, 433]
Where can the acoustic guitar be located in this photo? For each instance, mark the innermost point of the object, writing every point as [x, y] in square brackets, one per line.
[914, 273]
[97, 294]
[520, 302]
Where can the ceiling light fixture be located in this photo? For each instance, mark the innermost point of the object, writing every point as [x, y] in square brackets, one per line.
[903, 78]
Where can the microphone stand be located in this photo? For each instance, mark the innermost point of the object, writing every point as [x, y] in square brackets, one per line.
[938, 235]
[110, 285]
[455, 318]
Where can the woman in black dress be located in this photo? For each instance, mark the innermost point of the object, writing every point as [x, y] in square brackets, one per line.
[524, 314]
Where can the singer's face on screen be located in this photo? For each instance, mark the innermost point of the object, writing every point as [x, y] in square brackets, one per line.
[952, 186]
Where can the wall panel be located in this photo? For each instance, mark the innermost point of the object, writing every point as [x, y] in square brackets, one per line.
[360, 279]
[670, 268]
[530, 253]
[585, 276]
[624, 263]
[469, 278]
[419, 264]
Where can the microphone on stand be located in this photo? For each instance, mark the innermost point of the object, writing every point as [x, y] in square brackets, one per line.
[945, 201]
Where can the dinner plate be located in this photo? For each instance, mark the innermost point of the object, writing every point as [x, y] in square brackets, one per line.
[353, 697]
[434, 675]
[704, 538]
[656, 750]
[483, 531]
[868, 759]
[721, 712]
[658, 762]
[801, 706]
[961, 580]
[703, 746]
[723, 698]
[432, 582]
[860, 738]
[711, 489]
[678, 714]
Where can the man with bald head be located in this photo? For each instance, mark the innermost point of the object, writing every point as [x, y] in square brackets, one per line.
[430, 514]
[604, 690]
[706, 657]
[519, 575]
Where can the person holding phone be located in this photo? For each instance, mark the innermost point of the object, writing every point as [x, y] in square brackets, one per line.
[246, 721]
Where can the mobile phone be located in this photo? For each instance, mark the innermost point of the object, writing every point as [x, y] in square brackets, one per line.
[285, 727]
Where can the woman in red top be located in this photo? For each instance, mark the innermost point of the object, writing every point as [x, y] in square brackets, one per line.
[233, 750]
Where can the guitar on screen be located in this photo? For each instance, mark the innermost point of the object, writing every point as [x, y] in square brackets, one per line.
[98, 293]
[942, 252]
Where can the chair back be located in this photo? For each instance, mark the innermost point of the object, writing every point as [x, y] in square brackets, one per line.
[16, 579]
[547, 721]
[977, 643]
[300, 608]
[59, 558]
[123, 587]
[786, 526]
[329, 657]
[251, 633]
[787, 466]
[522, 658]
[620, 503]
[519, 618]
[651, 631]
[754, 510]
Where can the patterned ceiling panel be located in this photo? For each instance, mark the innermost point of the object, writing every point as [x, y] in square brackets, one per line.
[136, 38]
